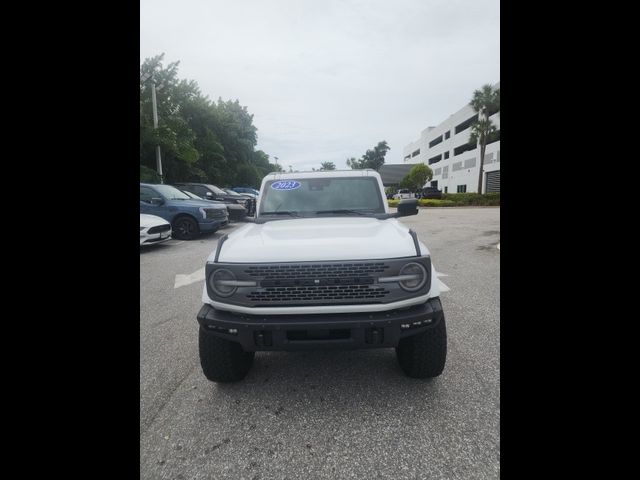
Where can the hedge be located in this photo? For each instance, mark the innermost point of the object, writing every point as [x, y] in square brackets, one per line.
[457, 200]
[473, 198]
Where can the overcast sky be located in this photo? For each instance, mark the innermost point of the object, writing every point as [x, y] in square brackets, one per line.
[327, 80]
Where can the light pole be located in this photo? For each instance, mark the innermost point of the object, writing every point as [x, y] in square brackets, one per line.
[154, 103]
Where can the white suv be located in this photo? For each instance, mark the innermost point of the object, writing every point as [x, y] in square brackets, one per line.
[323, 265]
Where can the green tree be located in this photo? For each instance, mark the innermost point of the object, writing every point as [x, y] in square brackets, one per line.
[200, 140]
[417, 177]
[485, 102]
[373, 159]
[327, 166]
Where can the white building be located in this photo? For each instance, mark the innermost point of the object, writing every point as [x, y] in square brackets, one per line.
[455, 164]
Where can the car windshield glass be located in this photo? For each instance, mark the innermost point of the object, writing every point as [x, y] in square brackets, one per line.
[231, 192]
[308, 196]
[192, 195]
[171, 193]
[217, 190]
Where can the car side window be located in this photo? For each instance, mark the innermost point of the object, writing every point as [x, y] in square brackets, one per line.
[146, 194]
[200, 191]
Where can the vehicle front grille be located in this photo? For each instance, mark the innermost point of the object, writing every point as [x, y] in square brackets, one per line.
[216, 212]
[316, 283]
[160, 228]
[318, 293]
[347, 282]
[277, 272]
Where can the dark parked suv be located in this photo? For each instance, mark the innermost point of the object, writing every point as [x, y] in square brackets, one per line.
[431, 192]
[211, 192]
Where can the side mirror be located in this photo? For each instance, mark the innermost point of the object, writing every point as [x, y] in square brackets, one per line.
[208, 195]
[408, 206]
[157, 201]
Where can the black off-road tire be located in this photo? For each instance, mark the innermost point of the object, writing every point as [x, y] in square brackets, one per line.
[424, 355]
[185, 228]
[222, 360]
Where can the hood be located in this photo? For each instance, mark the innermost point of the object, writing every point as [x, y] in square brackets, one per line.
[151, 220]
[318, 239]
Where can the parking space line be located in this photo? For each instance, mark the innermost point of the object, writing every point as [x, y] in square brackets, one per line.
[443, 286]
[183, 280]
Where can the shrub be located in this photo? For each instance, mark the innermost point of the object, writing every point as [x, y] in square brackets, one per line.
[433, 202]
[148, 175]
[457, 200]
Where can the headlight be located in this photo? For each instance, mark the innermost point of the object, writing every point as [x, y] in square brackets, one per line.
[415, 277]
[223, 282]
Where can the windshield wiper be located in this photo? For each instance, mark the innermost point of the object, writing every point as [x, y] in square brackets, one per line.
[284, 212]
[357, 212]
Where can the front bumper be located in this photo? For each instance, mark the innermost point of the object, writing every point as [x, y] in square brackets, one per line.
[212, 225]
[154, 238]
[236, 212]
[302, 332]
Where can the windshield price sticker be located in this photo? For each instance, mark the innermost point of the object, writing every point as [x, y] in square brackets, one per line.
[288, 185]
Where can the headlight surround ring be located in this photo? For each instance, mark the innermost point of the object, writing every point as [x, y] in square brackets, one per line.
[222, 274]
[413, 268]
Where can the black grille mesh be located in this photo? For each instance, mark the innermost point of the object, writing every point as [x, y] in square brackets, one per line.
[315, 293]
[159, 228]
[276, 272]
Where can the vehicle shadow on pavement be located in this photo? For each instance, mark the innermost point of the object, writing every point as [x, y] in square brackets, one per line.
[155, 248]
[335, 378]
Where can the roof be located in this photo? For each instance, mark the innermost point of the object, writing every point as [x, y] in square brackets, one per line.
[392, 174]
[321, 173]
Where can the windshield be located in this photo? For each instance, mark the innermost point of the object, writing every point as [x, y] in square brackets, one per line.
[217, 190]
[231, 192]
[192, 195]
[171, 193]
[313, 196]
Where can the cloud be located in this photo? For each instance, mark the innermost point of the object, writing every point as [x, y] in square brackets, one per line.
[328, 80]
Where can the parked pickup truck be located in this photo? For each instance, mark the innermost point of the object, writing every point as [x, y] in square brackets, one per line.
[323, 265]
[188, 217]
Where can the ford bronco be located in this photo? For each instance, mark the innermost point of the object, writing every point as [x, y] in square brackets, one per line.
[323, 265]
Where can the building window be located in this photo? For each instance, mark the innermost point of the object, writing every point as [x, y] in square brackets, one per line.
[446, 189]
[470, 162]
[434, 183]
[407, 157]
[417, 152]
[466, 124]
[462, 189]
[437, 171]
[435, 141]
[456, 166]
[446, 154]
[464, 148]
[435, 159]
[447, 135]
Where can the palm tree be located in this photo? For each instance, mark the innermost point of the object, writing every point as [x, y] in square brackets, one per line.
[485, 101]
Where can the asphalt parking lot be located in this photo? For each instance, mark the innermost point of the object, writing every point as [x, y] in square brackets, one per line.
[325, 414]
